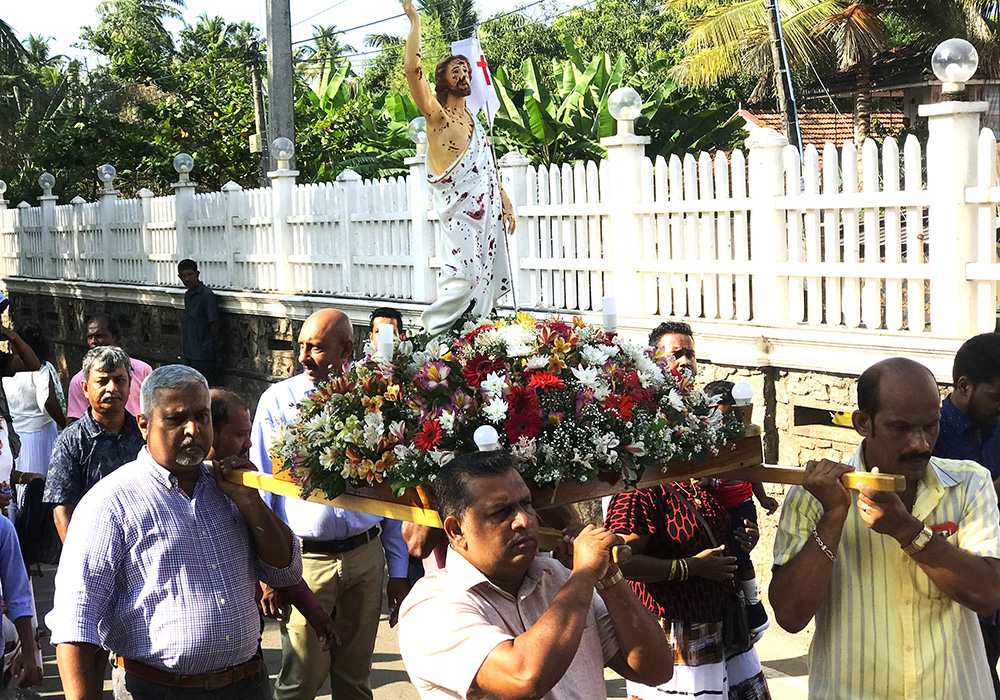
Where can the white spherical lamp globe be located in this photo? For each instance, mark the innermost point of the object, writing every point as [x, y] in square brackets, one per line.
[282, 148]
[487, 438]
[3, 188]
[46, 181]
[416, 131]
[954, 62]
[106, 173]
[183, 163]
[625, 104]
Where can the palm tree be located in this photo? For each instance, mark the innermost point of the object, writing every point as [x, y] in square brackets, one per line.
[735, 35]
[12, 51]
[458, 18]
[207, 32]
[162, 9]
[326, 52]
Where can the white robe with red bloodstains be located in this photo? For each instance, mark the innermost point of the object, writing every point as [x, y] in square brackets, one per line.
[471, 246]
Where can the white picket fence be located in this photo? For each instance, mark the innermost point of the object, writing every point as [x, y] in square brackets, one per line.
[864, 241]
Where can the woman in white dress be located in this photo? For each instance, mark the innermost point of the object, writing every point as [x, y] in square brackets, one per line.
[35, 407]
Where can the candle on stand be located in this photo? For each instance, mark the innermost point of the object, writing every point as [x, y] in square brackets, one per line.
[610, 312]
[386, 335]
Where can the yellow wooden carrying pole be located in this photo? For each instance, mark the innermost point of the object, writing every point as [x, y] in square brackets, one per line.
[360, 504]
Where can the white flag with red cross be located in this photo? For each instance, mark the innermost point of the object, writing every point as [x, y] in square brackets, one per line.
[484, 92]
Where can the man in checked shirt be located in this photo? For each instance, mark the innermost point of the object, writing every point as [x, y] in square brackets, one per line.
[161, 562]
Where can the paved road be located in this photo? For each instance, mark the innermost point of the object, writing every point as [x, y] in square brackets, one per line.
[783, 656]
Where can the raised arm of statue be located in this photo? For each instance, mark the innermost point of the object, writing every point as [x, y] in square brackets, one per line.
[420, 89]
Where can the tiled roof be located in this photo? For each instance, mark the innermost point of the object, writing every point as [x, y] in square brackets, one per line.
[819, 127]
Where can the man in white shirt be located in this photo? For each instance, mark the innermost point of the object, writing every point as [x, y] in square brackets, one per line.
[499, 621]
[342, 561]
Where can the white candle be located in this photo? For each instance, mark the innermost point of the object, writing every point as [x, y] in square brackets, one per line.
[610, 313]
[386, 334]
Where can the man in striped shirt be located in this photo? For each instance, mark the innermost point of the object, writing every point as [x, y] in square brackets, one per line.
[893, 580]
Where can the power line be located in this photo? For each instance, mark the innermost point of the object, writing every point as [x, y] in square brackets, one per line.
[517, 10]
[387, 19]
[334, 5]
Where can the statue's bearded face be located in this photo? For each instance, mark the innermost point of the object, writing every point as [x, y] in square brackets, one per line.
[459, 78]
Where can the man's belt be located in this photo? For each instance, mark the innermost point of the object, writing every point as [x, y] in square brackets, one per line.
[339, 546]
[208, 681]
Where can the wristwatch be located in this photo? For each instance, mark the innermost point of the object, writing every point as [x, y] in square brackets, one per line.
[609, 581]
[919, 542]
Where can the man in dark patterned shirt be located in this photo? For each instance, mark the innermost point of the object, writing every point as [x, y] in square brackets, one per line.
[969, 419]
[105, 438]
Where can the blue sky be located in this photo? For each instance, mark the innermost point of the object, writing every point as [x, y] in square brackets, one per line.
[62, 19]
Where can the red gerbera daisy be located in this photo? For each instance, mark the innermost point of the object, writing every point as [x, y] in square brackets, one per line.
[429, 435]
[619, 405]
[545, 381]
[527, 423]
[479, 367]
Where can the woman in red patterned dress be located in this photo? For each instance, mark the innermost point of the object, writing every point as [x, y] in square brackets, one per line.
[687, 583]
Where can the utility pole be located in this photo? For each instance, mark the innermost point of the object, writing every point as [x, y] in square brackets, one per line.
[253, 58]
[280, 80]
[783, 77]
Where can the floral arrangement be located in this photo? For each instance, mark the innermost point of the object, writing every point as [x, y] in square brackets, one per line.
[567, 399]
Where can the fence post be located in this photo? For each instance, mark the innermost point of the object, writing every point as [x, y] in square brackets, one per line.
[349, 184]
[183, 208]
[769, 302]
[23, 252]
[145, 217]
[952, 133]
[514, 175]
[76, 269]
[5, 252]
[232, 191]
[625, 154]
[282, 189]
[48, 266]
[107, 214]
[422, 243]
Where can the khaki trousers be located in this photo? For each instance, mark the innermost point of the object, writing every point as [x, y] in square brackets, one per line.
[349, 586]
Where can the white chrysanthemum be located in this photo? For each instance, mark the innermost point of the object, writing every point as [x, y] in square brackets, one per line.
[593, 355]
[405, 348]
[602, 390]
[519, 350]
[676, 400]
[494, 384]
[496, 410]
[537, 362]
[447, 421]
[587, 376]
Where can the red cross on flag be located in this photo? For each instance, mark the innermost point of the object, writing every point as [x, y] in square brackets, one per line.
[484, 93]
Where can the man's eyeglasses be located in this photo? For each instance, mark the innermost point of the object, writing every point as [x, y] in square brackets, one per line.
[680, 353]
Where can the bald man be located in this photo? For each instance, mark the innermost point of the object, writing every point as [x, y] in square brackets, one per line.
[342, 559]
[894, 580]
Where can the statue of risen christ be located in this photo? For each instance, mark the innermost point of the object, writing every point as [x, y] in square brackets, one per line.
[468, 196]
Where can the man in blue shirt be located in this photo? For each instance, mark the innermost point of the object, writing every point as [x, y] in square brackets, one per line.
[342, 561]
[969, 418]
[105, 438]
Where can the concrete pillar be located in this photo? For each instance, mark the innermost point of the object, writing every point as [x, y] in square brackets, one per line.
[422, 243]
[146, 214]
[952, 132]
[48, 263]
[349, 183]
[769, 303]
[280, 78]
[183, 213]
[514, 175]
[282, 189]
[625, 154]
[107, 217]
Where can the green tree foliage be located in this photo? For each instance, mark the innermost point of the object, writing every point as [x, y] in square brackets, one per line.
[566, 124]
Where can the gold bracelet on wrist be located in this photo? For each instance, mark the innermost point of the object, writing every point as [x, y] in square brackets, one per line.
[609, 581]
[673, 570]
